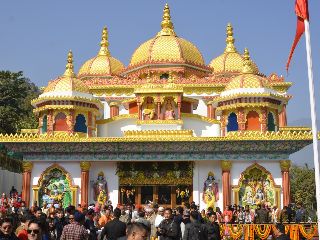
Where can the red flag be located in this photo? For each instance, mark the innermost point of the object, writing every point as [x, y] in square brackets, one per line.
[301, 9]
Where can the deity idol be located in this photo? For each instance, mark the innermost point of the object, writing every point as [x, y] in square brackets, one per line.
[210, 191]
[169, 113]
[100, 190]
[149, 109]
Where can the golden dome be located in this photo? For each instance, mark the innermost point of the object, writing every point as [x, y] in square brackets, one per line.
[68, 81]
[103, 64]
[248, 78]
[167, 46]
[231, 60]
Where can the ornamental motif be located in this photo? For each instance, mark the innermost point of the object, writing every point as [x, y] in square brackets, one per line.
[285, 165]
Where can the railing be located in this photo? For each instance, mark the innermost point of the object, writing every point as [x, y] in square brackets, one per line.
[263, 231]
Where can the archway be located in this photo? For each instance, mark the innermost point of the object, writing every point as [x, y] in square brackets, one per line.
[256, 186]
[55, 187]
[60, 123]
[271, 124]
[232, 122]
[80, 125]
[44, 124]
[253, 122]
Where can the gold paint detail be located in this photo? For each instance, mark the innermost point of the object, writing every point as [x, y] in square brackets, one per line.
[202, 118]
[167, 28]
[69, 67]
[247, 67]
[27, 166]
[158, 133]
[230, 39]
[85, 166]
[150, 122]
[253, 106]
[292, 128]
[226, 165]
[285, 165]
[29, 130]
[104, 50]
[116, 118]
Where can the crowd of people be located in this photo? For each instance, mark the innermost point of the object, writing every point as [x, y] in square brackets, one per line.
[132, 222]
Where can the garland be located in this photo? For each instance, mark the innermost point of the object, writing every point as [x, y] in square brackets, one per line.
[294, 232]
[249, 232]
[310, 234]
[263, 234]
[238, 233]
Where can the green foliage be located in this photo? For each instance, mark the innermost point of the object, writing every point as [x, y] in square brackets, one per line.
[16, 92]
[303, 187]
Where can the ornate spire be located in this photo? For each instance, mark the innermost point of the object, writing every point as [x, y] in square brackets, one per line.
[230, 39]
[104, 50]
[69, 67]
[247, 64]
[167, 28]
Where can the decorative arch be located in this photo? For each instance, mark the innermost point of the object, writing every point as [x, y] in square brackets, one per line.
[256, 186]
[55, 187]
[232, 122]
[80, 125]
[271, 122]
[60, 122]
[44, 127]
[253, 121]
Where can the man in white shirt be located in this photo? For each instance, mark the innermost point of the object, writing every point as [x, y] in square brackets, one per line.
[159, 217]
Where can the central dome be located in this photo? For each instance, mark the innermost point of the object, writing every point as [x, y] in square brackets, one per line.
[167, 47]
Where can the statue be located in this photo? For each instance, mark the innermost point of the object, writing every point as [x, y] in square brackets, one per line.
[169, 113]
[149, 109]
[210, 191]
[100, 190]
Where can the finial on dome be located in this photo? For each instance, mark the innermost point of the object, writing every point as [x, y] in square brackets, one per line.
[247, 64]
[104, 50]
[167, 28]
[230, 39]
[69, 67]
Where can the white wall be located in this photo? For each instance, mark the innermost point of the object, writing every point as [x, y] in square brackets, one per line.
[200, 174]
[9, 179]
[116, 128]
[72, 167]
[201, 109]
[109, 169]
[201, 128]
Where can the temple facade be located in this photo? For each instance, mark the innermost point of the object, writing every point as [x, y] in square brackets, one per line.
[167, 128]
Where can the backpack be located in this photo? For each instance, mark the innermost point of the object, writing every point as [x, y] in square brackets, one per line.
[197, 232]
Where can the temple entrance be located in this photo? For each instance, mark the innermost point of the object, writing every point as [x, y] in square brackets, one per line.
[166, 183]
[166, 196]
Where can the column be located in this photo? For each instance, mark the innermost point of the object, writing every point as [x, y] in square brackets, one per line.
[264, 120]
[241, 120]
[114, 109]
[71, 121]
[285, 166]
[26, 180]
[223, 124]
[158, 110]
[85, 167]
[283, 117]
[50, 122]
[90, 125]
[211, 111]
[226, 182]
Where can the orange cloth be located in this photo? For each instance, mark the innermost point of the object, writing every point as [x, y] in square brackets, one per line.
[103, 220]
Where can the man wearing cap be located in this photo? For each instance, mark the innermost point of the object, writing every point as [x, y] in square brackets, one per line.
[159, 217]
[75, 230]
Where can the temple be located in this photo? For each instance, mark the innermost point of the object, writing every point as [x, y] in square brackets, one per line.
[167, 128]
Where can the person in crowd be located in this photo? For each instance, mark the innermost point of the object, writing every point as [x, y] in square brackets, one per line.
[124, 216]
[75, 230]
[261, 215]
[34, 231]
[284, 218]
[195, 230]
[300, 213]
[151, 217]
[6, 230]
[137, 231]
[105, 217]
[185, 221]
[90, 226]
[159, 217]
[248, 217]
[52, 231]
[45, 209]
[141, 219]
[21, 231]
[115, 228]
[168, 229]
[279, 232]
[60, 222]
[227, 214]
[37, 213]
[275, 214]
[213, 227]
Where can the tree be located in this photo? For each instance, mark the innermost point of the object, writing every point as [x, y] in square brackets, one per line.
[16, 92]
[303, 187]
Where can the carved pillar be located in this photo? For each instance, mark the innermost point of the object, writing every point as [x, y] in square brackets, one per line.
[71, 121]
[241, 120]
[264, 120]
[139, 111]
[114, 109]
[26, 180]
[283, 117]
[85, 167]
[211, 111]
[90, 124]
[50, 122]
[158, 109]
[285, 166]
[179, 107]
[223, 125]
[226, 182]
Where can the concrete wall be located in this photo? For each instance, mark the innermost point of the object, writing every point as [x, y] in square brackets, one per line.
[9, 179]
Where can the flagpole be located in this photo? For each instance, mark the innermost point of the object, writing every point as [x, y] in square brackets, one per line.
[313, 118]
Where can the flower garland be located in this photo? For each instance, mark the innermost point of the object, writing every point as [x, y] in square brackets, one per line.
[310, 234]
[263, 234]
[238, 233]
[249, 232]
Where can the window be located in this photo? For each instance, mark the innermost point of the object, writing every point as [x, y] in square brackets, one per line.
[164, 76]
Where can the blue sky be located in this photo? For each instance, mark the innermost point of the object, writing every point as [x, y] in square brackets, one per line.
[36, 35]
